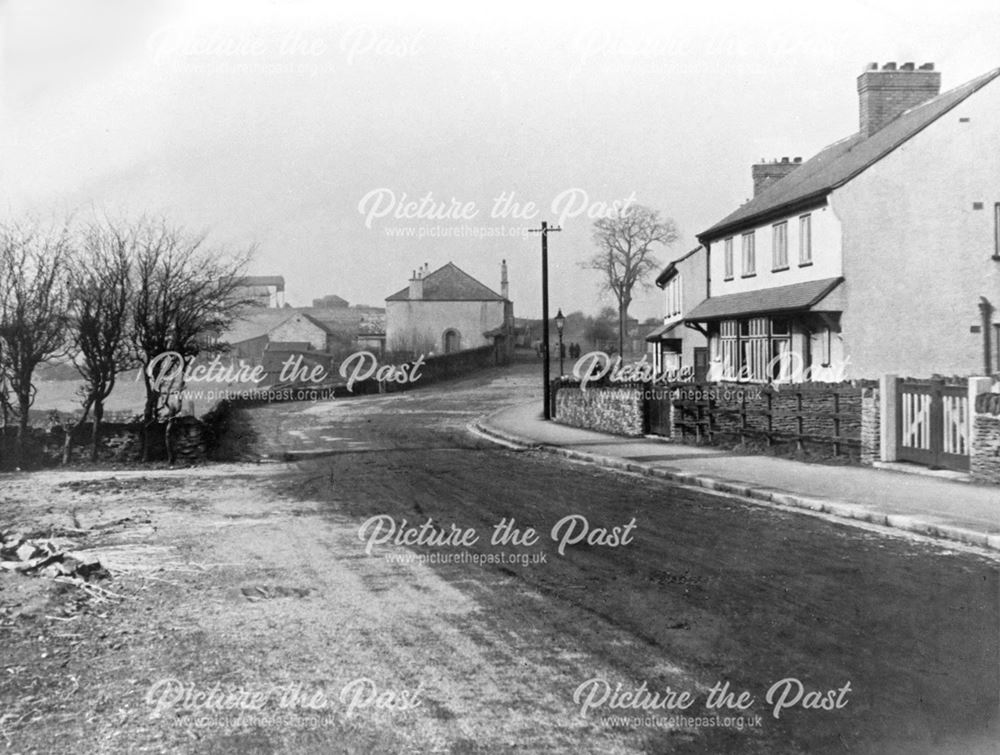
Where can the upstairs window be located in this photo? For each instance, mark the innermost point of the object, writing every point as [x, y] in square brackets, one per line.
[674, 305]
[749, 255]
[779, 246]
[805, 240]
[727, 257]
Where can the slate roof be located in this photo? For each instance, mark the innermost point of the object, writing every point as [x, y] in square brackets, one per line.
[840, 162]
[795, 297]
[449, 283]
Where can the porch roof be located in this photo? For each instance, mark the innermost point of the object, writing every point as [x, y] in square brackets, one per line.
[665, 332]
[797, 297]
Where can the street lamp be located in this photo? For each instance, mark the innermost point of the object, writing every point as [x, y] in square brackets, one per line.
[560, 322]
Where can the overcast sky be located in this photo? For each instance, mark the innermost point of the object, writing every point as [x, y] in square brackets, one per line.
[301, 126]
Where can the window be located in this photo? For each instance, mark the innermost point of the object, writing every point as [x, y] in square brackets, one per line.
[749, 255]
[672, 291]
[727, 256]
[756, 349]
[805, 240]
[779, 246]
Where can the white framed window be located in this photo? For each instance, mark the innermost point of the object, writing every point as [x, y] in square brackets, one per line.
[672, 292]
[805, 240]
[779, 246]
[749, 255]
[727, 257]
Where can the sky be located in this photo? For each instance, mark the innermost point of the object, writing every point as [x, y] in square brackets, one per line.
[352, 146]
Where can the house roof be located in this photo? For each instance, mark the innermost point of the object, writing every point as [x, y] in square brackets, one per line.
[795, 297]
[840, 162]
[671, 268]
[255, 323]
[449, 283]
[263, 280]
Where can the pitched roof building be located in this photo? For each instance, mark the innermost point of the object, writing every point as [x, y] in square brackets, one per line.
[881, 254]
[448, 310]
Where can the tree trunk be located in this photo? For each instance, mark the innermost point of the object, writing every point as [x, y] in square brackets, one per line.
[95, 433]
[67, 450]
[168, 426]
[24, 406]
[147, 416]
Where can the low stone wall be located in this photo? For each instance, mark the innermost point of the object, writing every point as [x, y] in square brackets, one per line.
[829, 418]
[984, 461]
[619, 409]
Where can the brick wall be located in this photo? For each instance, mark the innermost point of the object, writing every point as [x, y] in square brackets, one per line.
[619, 410]
[984, 461]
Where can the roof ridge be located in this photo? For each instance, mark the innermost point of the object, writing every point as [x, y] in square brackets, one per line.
[843, 160]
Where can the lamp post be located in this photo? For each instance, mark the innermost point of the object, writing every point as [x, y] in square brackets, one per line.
[560, 322]
[545, 230]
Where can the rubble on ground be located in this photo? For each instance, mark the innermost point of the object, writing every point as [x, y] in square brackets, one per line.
[52, 558]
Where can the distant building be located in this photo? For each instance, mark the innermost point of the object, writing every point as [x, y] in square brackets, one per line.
[448, 310]
[262, 290]
[330, 301]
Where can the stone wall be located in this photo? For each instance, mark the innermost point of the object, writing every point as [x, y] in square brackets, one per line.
[619, 409]
[834, 418]
[984, 461]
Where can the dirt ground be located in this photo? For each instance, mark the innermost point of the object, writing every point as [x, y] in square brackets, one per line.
[247, 617]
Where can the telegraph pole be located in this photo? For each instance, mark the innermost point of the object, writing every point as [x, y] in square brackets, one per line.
[545, 231]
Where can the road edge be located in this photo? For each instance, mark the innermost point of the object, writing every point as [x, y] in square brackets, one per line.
[841, 510]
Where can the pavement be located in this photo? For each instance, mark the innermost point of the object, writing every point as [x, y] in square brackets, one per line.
[931, 506]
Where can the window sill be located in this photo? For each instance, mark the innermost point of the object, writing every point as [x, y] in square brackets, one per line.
[729, 277]
[779, 269]
[806, 264]
[749, 275]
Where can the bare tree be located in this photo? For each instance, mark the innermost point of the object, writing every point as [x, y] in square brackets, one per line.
[33, 303]
[625, 254]
[101, 292]
[184, 296]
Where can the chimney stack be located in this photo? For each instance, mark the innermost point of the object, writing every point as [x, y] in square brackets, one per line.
[886, 94]
[417, 285]
[504, 287]
[767, 173]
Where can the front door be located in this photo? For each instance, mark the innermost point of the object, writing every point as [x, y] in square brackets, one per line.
[700, 364]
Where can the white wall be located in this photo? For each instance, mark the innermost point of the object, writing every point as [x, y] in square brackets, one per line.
[917, 255]
[425, 322]
[826, 255]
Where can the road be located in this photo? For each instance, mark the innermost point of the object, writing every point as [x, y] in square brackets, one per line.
[482, 647]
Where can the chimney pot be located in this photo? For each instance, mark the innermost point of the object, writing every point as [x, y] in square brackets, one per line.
[798, 159]
[890, 66]
[871, 67]
[907, 67]
[927, 67]
[784, 159]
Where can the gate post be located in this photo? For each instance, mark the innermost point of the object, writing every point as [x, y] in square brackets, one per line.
[977, 385]
[889, 434]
